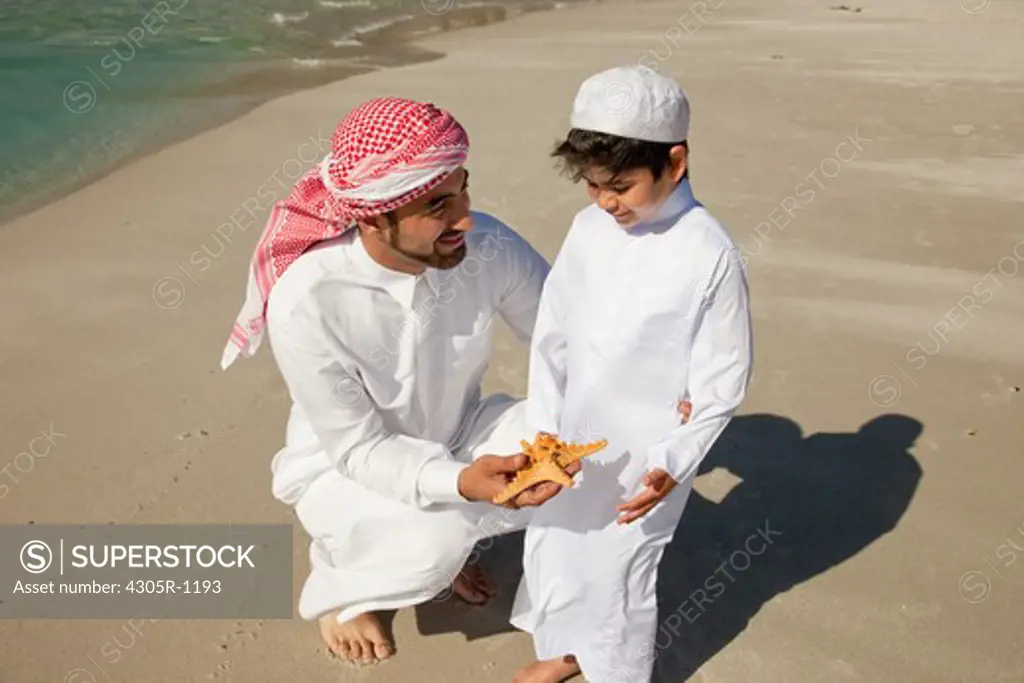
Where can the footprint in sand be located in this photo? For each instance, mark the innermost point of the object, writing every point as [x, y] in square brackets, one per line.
[142, 507]
[1004, 391]
[842, 668]
[239, 637]
[222, 670]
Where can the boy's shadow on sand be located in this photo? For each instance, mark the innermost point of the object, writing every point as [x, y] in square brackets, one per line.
[803, 505]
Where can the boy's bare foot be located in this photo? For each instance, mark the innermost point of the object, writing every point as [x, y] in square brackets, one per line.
[360, 640]
[472, 585]
[548, 671]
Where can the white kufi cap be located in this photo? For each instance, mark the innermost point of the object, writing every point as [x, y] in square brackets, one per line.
[633, 102]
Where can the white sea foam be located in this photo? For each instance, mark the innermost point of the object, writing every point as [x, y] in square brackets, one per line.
[347, 40]
[282, 19]
[348, 4]
[310, 63]
[378, 25]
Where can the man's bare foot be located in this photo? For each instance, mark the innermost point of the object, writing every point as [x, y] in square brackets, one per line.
[360, 640]
[548, 671]
[473, 586]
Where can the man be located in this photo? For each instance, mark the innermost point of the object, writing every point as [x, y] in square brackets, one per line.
[379, 302]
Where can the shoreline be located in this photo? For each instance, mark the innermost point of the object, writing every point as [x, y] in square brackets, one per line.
[397, 41]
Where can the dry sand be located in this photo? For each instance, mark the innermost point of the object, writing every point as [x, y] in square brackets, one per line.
[882, 435]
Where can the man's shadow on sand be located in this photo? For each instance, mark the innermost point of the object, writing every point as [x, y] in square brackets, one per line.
[803, 505]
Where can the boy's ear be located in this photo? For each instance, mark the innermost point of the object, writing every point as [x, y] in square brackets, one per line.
[678, 159]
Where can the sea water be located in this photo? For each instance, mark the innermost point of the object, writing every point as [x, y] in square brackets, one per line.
[88, 84]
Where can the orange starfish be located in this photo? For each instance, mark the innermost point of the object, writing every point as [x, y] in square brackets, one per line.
[549, 456]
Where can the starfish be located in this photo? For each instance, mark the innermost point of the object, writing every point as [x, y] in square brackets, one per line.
[549, 456]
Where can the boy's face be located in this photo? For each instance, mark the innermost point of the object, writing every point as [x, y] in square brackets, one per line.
[634, 196]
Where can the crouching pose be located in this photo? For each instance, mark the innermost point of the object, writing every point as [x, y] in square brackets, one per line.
[379, 290]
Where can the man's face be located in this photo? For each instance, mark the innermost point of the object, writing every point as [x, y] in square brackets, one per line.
[432, 230]
[634, 196]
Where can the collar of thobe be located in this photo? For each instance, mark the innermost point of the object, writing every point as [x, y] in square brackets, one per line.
[401, 286]
[675, 206]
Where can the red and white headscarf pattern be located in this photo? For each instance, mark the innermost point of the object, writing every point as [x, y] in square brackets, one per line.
[384, 154]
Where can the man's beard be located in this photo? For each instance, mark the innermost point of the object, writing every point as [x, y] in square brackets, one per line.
[432, 260]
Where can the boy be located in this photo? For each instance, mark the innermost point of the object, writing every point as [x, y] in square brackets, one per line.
[646, 301]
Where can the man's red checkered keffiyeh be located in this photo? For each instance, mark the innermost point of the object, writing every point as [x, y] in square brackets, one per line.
[384, 154]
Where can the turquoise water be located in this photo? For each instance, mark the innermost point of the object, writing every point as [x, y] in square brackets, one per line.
[88, 84]
[83, 85]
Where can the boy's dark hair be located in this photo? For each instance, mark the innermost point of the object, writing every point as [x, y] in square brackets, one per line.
[585, 149]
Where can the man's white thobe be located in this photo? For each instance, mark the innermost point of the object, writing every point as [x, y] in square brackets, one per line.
[384, 370]
[630, 322]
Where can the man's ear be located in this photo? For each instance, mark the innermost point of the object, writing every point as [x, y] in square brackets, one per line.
[679, 159]
[372, 225]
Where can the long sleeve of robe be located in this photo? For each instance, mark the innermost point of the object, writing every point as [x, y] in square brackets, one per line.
[409, 469]
[720, 363]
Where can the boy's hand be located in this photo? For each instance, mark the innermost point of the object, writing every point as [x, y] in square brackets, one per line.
[685, 408]
[658, 485]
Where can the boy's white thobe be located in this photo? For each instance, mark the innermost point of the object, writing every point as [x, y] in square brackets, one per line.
[384, 371]
[630, 322]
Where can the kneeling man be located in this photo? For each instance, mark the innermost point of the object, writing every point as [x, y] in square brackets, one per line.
[380, 303]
